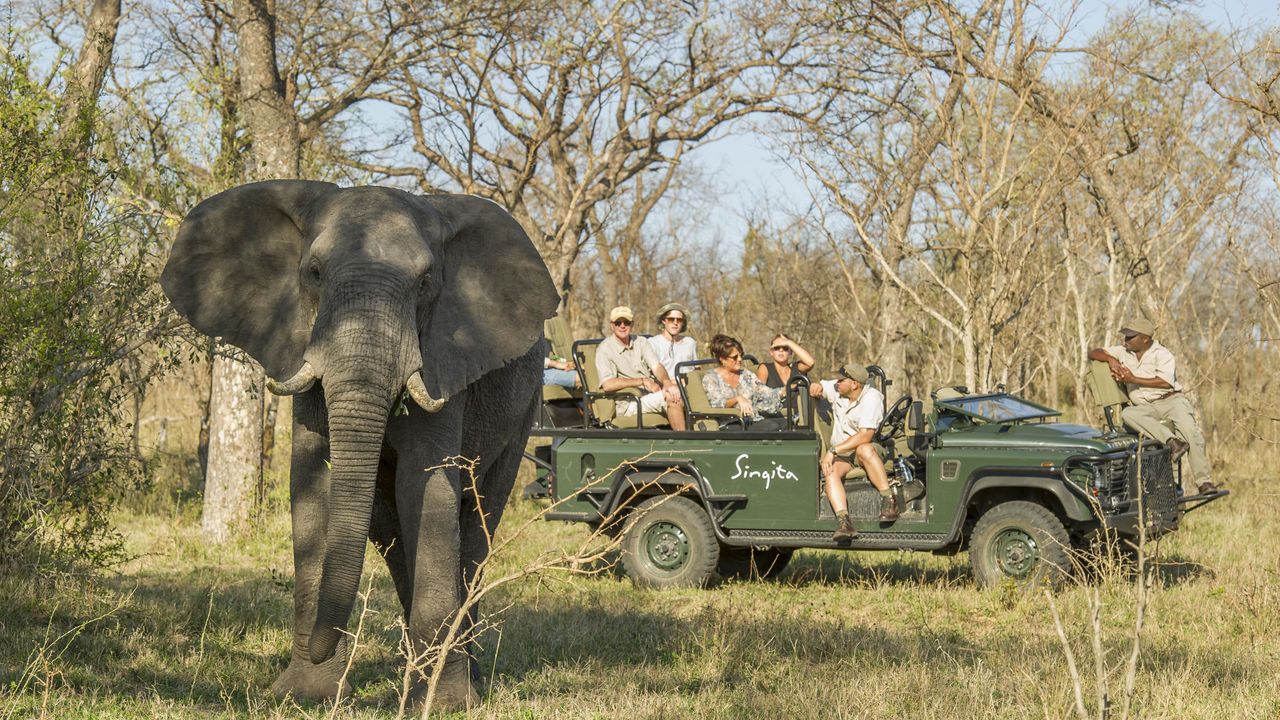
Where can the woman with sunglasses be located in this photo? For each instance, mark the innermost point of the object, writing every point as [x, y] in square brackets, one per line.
[728, 386]
[786, 357]
[670, 345]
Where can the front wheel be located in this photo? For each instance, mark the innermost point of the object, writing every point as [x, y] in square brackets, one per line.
[1022, 542]
[669, 544]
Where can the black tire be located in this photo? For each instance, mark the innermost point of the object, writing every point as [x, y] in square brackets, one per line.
[669, 544]
[752, 563]
[1022, 542]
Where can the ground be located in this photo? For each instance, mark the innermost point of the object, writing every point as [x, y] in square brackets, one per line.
[187, 630]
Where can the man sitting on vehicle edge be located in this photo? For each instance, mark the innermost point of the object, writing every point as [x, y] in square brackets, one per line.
[856, 411]
[623, 361]
[1150, 376]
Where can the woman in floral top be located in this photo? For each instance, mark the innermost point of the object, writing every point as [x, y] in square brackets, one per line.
[727, 386]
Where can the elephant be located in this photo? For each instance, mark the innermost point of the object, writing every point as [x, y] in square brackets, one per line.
[408, 330]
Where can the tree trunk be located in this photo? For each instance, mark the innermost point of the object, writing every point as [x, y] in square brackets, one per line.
[235, 446]
[237, 438]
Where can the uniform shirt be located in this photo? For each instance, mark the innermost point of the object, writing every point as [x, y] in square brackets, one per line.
[848, 417]
[615, 361]
[671, 354]
[1156, 362]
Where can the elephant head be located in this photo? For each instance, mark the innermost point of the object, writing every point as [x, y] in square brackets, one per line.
[371, 292]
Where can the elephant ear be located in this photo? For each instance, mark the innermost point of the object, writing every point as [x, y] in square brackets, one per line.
[494, 293]
[234, 270]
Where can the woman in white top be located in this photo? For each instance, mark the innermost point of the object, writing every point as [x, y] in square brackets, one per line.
[671, 346]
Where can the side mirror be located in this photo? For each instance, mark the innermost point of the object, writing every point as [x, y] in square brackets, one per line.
[915, 417]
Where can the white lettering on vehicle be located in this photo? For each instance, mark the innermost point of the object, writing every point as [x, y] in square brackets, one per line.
[745, 471]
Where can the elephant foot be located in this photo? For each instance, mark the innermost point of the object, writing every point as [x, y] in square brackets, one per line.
[454, 692]
[304, 680]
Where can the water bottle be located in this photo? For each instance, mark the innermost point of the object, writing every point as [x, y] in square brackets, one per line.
[905, 474]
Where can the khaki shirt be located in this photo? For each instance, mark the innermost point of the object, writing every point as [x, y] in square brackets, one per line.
[615, 361]
[848, 417]
[1156, 362]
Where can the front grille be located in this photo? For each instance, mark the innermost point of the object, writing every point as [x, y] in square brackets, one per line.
[1159, 489]
[1116, 479]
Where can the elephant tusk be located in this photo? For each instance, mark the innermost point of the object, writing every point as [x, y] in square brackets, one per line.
[300, 382]
[418, 390]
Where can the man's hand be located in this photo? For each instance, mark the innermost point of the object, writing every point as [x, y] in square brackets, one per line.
[650, 385]
[1122, 373]
[815, 390]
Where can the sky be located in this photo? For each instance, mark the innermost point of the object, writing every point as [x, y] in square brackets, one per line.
[756, 181]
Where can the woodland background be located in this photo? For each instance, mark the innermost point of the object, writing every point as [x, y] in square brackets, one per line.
[990, 190]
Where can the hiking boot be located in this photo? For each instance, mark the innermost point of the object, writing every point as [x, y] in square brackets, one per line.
[888, 508]
[1178, 446]
[1206, 488]
[844, 529]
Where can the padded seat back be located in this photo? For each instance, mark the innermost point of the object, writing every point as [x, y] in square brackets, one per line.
[697, 403]
[1104, 388]
[560, 338]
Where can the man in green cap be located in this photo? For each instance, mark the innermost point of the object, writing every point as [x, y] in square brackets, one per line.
[1149, 373]
[856, 411]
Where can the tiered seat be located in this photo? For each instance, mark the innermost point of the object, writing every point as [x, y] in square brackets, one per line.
[601, 405]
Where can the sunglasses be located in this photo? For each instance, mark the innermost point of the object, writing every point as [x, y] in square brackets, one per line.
[621, 321]
[732, 357]
[672, 318]
[776, 348]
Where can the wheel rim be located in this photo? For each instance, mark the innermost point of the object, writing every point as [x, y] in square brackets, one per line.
[666, 547]
[1015, 553]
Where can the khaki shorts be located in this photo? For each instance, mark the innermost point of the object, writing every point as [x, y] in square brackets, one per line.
[654, 402]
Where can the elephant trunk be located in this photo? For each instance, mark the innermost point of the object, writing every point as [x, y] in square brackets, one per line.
[361, 386]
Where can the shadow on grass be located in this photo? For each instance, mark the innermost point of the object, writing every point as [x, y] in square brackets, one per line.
[217, 637]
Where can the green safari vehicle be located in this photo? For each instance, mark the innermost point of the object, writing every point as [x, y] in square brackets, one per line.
[992, 473]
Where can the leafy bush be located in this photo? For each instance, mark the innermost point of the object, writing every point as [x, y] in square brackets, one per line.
[76, 305]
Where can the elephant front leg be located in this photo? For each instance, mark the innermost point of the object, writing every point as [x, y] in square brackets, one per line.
[309, 506]
[433, 625]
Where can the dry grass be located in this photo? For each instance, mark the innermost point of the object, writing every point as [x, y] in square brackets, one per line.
[188, 630]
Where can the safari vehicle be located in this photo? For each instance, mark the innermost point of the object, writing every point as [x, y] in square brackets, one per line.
[991, 473]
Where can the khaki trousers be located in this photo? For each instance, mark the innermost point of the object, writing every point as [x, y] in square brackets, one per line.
[1177, 410]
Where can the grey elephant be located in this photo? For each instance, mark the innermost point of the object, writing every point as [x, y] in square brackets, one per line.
[355, 300]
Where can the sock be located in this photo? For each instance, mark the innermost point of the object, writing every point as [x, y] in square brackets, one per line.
[885, 493]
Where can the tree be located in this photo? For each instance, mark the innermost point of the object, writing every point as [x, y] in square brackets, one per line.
[576, 116]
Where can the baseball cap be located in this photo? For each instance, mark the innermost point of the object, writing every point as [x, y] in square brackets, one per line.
[1138, 326]
[855, 371]
[621, 312]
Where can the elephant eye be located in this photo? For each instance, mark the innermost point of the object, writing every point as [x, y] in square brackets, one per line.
[313, 271]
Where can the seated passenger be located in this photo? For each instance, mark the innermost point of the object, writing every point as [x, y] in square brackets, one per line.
[559, 372]
[671, 347]
[728, 386]
[856, 411]
[786, 357]
[624, 361]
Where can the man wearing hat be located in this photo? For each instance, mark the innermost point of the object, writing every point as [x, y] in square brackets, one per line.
[856, 411]
[1149, 373]
[671, 347]
[623, 361]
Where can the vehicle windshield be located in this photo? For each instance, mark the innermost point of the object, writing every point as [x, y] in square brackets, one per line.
[998, 408]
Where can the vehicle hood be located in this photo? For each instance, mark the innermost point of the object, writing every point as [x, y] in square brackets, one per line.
[1040, 435]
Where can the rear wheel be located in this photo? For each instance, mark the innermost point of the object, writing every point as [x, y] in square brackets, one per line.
[670, 544]
[1022, 542]
[752, 563]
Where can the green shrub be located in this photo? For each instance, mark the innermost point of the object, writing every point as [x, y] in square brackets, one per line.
[76, 306]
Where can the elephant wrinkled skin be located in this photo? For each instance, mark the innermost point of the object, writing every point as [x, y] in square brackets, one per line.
[409, 330]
